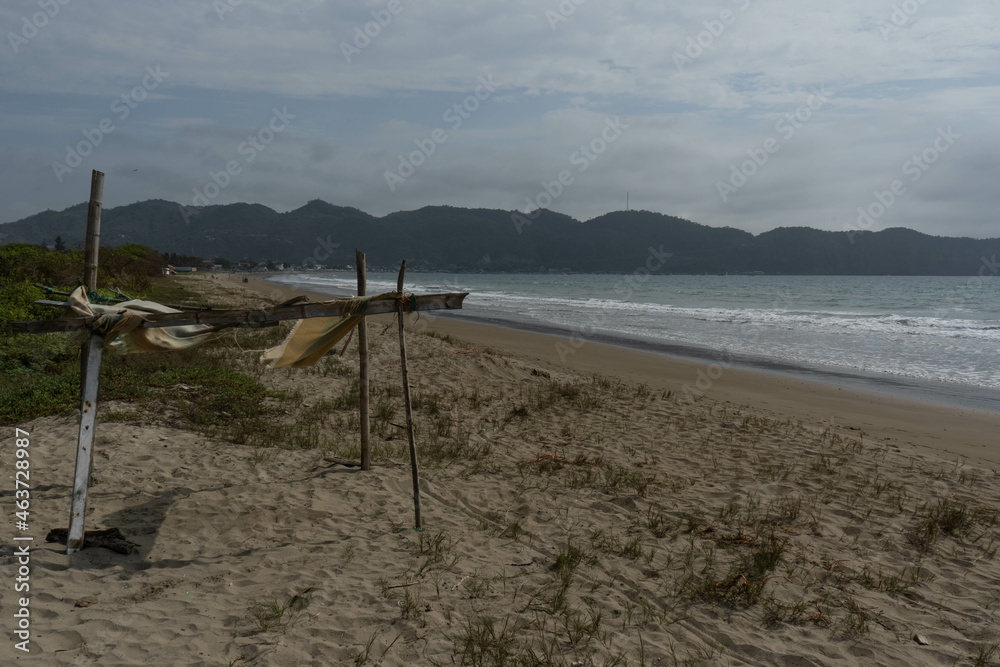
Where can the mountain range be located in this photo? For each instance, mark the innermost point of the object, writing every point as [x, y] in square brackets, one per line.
[459, 239]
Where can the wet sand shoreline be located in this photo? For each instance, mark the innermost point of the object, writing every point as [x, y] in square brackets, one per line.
[949, 429]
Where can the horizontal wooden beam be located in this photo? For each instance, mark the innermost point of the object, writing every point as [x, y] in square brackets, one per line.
[258, 316]
[63, 304]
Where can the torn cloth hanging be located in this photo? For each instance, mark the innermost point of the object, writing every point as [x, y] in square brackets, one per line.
[121, 325]
[314, 337]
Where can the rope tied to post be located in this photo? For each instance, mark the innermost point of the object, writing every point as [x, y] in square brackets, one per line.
[406, 300]
[110, 325]
[121, 325]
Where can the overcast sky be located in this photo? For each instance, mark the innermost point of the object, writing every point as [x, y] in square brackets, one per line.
[749, 113]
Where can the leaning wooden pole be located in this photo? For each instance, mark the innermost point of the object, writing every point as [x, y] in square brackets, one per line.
[406, 399]
[90, 373]
[366, 453]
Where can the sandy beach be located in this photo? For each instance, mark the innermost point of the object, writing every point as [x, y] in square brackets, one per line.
[580, 508]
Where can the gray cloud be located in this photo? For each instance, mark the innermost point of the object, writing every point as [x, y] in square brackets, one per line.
[892, 86]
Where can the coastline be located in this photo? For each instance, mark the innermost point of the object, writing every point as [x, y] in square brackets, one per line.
[883, 415]
[933, 392]
[575, 511]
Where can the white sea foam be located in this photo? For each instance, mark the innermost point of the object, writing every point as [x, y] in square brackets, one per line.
[933, 328]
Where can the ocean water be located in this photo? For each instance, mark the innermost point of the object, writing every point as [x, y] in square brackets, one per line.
[929, 332]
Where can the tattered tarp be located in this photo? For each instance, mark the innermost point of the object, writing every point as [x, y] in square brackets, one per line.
[310, 339]
[306, 344]
[121, 325]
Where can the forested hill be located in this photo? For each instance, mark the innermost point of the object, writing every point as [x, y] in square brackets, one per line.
[459, 239]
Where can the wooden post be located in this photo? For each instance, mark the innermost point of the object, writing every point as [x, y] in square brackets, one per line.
[85, 444]
[90, 373]
[366, 454]
[93, 243]
[406, 400]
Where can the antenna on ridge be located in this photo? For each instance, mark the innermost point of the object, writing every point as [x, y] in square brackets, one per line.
[626, 200]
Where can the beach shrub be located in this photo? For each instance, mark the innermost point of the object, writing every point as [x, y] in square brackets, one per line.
[32, 377]
[188, 387]
[127, 267]
[23, 266]
[40, 374]
[955, 519]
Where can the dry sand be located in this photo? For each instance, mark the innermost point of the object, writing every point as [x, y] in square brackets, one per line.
[576, 511]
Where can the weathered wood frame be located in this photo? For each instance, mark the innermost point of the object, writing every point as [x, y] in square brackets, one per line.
[92, 349]
[260, 316]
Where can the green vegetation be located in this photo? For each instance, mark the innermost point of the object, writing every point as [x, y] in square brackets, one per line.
[276, 613]
[955, 519]
[40, 374]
